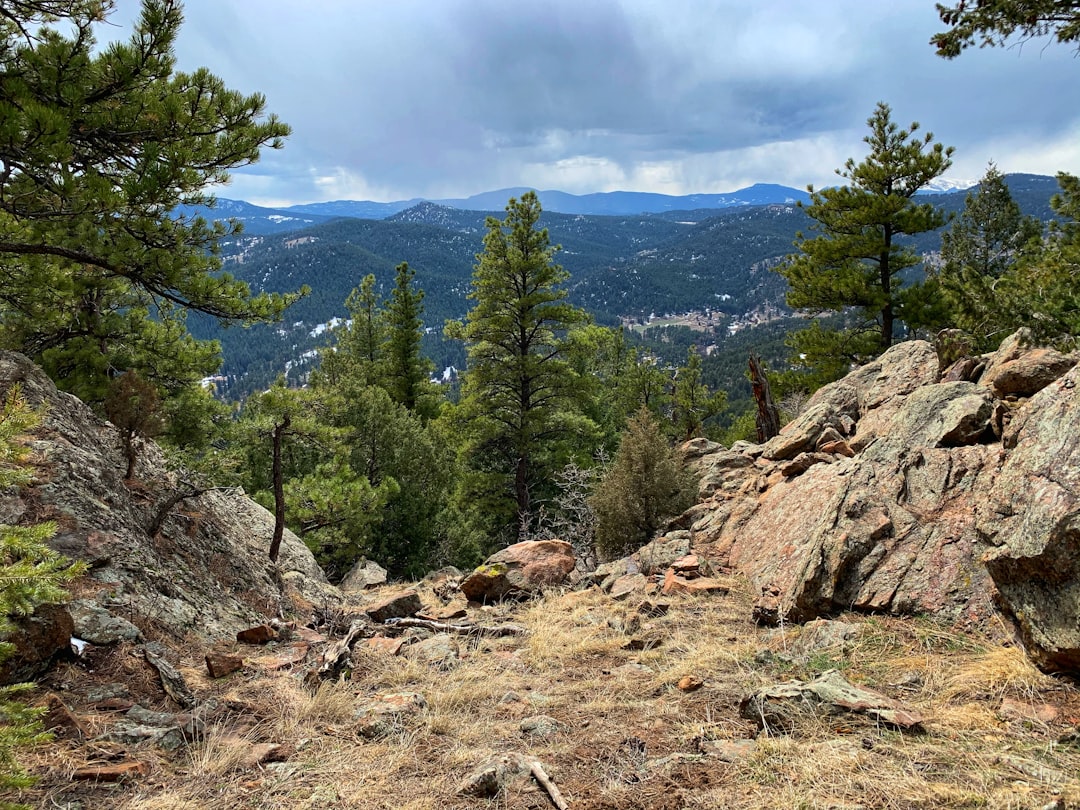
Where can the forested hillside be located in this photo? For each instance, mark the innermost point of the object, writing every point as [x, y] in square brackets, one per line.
[622, 269]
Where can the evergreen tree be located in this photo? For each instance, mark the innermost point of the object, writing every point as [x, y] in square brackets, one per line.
[99, 148]
[134, 407]
[693, 402]
[1044, 291]
[857, 254]
[979, 254]
[407, 370]
[519, 389]
[278, 434]
[30, 573]
[992, 22]
[644, 485]
[358, 343]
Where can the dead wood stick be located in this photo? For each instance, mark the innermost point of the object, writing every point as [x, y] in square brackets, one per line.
[337, 654]
[540, 775]
[463, 629]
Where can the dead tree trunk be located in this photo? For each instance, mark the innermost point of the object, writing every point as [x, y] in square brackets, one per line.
[768, 416]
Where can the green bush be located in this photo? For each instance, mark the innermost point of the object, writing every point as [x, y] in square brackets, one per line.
[644, 486]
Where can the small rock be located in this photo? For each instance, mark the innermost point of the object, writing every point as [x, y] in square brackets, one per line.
[220, 664]
[260, 634]
[1029, 712]
[106, 691]
[147, 717]
[539, 726]
[803, 462]
[780, 708]
[663, 551]
[728, 750]
[440, 651]
[520, 570]
[607, 573]
[837, 448]
[365, 574]
[171, 680]
[395, 606]
[823, 634]
[284, 657]
[493, 776]
[384, 645]
[97, 625]
[690, 683]
[686, 565]
[628, 584]
[673, 583]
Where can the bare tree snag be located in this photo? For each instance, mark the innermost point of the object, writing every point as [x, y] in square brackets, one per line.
[768, 416]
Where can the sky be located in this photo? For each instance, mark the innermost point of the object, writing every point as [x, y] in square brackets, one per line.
[447, 98]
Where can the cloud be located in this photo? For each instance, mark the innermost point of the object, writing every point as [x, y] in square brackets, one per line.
[450, 98]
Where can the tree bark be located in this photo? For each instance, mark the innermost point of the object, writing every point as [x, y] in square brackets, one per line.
[279, 489]
[768, 417]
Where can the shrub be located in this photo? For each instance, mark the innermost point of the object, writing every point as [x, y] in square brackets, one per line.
[644, 485]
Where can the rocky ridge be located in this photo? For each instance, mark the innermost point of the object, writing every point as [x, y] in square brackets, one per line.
[204, 574]
[908, 489]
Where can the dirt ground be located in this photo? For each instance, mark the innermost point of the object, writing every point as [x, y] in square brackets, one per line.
[618, 731]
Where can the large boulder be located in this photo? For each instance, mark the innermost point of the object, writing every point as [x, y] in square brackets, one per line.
[206, 572]
[1028, 374]
[866, 542]
[1031, 519]
[365, 574]
[520, 570]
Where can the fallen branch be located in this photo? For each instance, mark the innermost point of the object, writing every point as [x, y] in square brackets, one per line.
[540, 775]
[461, 629]
[337, 656]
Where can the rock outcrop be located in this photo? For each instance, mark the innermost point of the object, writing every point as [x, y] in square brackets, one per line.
[1031, 520]
[897, 492]
[205, 573]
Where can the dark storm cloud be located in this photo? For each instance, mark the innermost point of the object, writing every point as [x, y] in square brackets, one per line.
[394, 100]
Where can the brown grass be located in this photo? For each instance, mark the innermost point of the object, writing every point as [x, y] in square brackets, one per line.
[625, 738]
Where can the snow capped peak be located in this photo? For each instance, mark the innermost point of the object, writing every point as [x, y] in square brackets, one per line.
[943, 185]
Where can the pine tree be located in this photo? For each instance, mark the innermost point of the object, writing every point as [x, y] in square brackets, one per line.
[1044, 288]
[30, 574]
[407, 369]
[979, 254]
[134, 407]
[100, 147]
[357, 353]
[855, 259]
[993, 22]
[693, 402]
[519, 389]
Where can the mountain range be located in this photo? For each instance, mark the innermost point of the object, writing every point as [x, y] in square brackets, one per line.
[259, 219]
[626, 268]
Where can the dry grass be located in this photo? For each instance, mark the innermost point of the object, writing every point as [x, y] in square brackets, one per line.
[626, 737]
